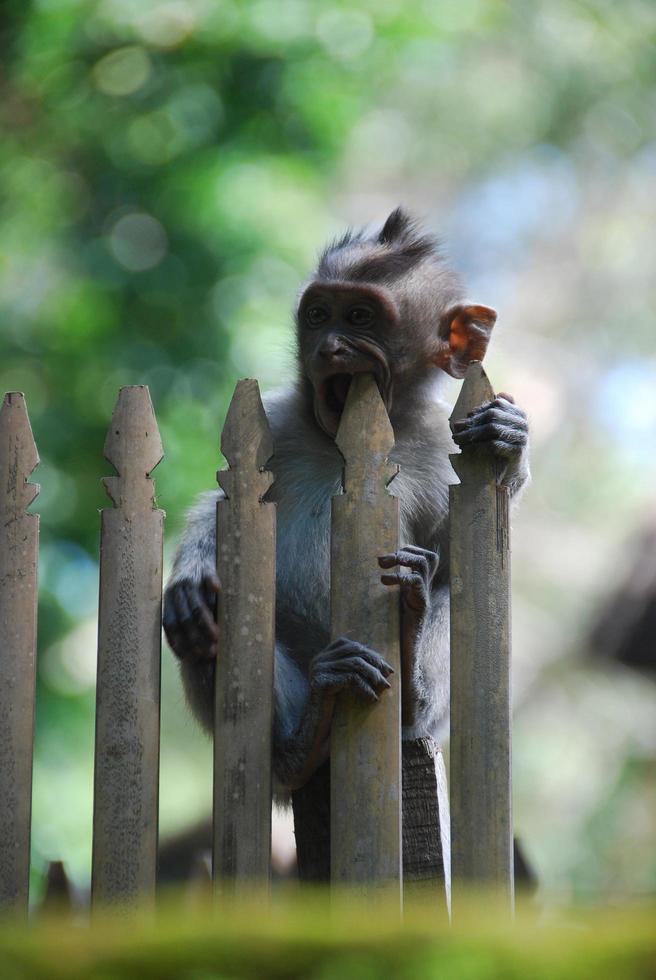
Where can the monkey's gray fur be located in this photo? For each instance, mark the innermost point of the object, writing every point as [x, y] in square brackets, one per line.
[403, 277]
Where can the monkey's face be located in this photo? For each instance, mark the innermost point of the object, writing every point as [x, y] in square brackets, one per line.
[345, 330]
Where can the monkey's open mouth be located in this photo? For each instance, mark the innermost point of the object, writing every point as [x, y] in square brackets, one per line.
[330, 398]
[335, 390]
[329, 401]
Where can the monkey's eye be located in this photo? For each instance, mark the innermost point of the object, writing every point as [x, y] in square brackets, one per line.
[315, 315]
[360, 316]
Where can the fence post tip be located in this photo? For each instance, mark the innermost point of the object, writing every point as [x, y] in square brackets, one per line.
[364, 418]
[18, 454]
[246, 434]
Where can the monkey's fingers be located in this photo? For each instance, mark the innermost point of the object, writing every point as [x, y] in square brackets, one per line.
[502, 400]
[344, 647]
[211, 587]
[172, 629]
[212, 582]
[489, 432]
[416, 550]
[419, 560]
[359, 665]
[413, 589]
[331, 683]
[194, 629]
[201, 615]
[350, 673]
[499, 409]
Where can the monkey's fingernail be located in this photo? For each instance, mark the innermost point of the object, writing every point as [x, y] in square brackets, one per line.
[460, 424]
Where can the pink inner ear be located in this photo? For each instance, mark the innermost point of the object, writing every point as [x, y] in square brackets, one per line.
[459, 335]
[470, 330]
[466, 334]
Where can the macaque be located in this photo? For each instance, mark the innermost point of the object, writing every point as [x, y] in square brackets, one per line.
[384, 303]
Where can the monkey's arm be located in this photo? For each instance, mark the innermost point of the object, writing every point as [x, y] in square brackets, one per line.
[504, 426]
[303, 706]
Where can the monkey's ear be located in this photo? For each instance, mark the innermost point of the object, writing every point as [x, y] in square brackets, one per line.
[463, 337]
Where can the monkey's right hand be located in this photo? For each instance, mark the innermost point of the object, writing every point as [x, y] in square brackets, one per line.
[189, 615]
[346, 665]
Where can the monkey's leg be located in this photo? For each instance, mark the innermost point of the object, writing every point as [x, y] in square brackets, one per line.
[415, 588]
[426, 849]
[311, 805]
[344, 665]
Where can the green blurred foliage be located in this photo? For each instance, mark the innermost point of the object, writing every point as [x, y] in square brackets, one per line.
[169, 169]
[317, 940]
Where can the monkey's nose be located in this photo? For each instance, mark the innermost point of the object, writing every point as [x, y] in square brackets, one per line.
[333, 347]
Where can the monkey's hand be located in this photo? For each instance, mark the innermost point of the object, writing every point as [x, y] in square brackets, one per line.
[348, 665]
[189, 615]
[416, 584]
[504, 426]
[344, 665]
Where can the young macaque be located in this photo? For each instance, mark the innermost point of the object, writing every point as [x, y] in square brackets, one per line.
[384, 303]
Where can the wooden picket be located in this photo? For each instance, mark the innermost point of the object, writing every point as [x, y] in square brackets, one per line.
[366, 798]
[19, 542]
[366, 739]
[126, 781]
[246, 565]
[480, 745]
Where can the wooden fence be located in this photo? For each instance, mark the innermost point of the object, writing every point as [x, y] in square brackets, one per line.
[366, 810]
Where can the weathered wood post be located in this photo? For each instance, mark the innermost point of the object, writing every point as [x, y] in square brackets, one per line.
[366, 739]
[125, 815]
[19, 543]
[480, 757]
[246, 566]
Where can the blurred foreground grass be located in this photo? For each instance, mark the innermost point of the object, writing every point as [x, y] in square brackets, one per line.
[306, 937]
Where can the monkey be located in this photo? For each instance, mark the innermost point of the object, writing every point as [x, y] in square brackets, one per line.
[388, 303]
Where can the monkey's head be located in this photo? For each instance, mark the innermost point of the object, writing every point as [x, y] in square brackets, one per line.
[384, 303]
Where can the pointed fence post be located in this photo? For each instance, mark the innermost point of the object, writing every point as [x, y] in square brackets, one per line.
[246, 566]
[125, 814]
[366, 739]
[480, 747]
[19, 543]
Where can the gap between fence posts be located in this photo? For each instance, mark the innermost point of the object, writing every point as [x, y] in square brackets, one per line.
[365, 749]
[480, 745]
[243, 717]
[126, 783]
[19, 544]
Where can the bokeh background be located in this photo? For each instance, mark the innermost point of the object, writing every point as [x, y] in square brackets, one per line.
[169, 171]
